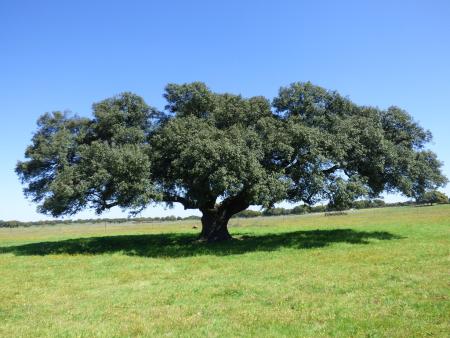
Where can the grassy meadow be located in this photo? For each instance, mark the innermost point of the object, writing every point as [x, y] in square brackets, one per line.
[370, 273]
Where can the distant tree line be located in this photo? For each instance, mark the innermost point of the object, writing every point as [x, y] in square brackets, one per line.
[305, 209]
[15, 224]
[434, 197]
[431, 197]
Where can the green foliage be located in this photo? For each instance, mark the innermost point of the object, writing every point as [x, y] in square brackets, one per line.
[364, 204]
[276, 212]
[299, 209]
[248, 214]
[221, 153]
[434, 196]
[343, 193]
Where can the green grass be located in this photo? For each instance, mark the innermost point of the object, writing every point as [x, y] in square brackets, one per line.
[370, 273]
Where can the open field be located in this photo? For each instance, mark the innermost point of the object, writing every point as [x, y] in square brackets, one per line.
[371, 273]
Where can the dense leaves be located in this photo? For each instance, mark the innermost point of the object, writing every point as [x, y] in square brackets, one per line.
[221, 153]
[74, 163]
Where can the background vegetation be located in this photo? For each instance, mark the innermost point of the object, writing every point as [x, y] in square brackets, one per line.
[431, 198]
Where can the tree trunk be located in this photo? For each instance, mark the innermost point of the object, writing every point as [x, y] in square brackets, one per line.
[215, 218]
[214, 225]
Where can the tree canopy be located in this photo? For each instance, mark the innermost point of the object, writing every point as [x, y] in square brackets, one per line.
[221, 153]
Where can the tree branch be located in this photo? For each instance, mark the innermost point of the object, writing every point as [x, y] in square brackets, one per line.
[234, 204]
[187, 204]
[331, 170]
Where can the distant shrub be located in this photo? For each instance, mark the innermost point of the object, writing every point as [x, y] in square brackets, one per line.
[377, 203]
[364, 204]
[318, 208]
[247, 214]
[432, 197]
[299, 209]
[192, 217]
[335, 213]
[276, 212]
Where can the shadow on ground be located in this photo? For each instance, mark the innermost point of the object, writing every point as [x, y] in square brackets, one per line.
[184, 245]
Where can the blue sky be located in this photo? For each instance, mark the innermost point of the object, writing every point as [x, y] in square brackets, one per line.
[58, 55]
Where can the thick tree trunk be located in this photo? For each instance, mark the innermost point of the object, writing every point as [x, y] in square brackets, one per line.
[214, 225]
[215, 218]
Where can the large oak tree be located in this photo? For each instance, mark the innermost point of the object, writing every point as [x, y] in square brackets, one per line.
[221, 153]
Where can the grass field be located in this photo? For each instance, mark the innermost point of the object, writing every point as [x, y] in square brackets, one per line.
[370, 273]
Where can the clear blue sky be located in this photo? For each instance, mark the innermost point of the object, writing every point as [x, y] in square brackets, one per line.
[58, 55]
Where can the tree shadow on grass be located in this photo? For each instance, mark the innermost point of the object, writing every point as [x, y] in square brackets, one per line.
[185, 245]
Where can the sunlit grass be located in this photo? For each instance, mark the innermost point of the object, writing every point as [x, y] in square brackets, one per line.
[378, 273]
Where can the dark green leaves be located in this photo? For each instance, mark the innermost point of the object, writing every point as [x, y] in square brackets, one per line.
[75, 163]
[189, 99]
[122, 119]
[381, 146]
[212, 148]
